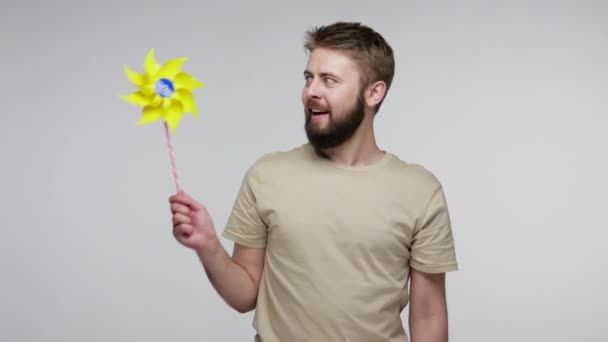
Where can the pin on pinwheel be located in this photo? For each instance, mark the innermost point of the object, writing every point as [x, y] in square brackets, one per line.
[165, 93]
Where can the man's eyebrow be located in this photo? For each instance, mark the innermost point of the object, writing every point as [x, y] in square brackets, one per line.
[323, 74]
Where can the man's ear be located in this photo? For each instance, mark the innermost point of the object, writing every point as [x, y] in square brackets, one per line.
[375, 93]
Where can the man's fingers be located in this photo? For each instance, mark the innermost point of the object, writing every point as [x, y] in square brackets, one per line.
[181, 218]
[185, 199]
[190, 202]
[180, 208]
[182, 230]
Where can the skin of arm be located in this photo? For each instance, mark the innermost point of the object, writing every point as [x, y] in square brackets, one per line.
[236, 278]
[428, 315]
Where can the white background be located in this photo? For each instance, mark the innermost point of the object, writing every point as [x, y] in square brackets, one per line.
[506, 102]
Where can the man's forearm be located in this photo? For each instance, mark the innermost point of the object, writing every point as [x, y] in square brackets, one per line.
[229, 279]
[429, 329]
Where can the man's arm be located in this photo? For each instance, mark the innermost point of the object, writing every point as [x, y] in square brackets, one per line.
[428, 315]
[236, 279]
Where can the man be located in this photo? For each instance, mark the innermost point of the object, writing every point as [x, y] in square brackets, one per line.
[328, 235]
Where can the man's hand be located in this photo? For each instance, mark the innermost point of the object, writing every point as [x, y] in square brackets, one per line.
[428, 315]
[192, 224]
[236, 279]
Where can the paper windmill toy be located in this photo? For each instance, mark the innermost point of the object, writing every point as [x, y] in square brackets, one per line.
[165, 93]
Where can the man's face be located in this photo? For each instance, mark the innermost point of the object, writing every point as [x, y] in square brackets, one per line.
[332, 98]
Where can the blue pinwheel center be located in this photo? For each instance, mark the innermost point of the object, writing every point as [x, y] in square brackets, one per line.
[164, 87]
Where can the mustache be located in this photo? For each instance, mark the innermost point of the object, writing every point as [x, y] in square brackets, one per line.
[315, 104]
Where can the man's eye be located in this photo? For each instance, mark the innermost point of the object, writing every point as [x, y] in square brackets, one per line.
[330, 81]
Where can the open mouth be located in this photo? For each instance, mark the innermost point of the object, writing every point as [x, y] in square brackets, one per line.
[317, 113]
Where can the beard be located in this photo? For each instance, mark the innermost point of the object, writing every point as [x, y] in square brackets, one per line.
[338, 130]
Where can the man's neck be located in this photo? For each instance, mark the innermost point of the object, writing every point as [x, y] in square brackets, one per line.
[360, 150]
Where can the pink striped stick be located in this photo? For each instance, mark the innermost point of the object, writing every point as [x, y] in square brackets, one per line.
[172, 156]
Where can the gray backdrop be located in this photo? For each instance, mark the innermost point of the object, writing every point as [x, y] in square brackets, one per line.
[504, 101]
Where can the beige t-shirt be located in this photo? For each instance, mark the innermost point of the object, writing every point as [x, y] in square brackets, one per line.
[340, 241]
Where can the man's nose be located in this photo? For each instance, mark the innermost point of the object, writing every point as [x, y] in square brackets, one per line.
[312, 89]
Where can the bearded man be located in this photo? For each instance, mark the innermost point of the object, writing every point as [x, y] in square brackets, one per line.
[335, 237]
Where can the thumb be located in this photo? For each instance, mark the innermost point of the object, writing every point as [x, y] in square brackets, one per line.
[190, 201]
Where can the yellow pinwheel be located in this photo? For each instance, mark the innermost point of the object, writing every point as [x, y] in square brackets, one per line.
[165, 92]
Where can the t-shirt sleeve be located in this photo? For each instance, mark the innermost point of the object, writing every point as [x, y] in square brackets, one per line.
[245, 225]
[432, 249]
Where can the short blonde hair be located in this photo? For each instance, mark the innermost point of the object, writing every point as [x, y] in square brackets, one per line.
[365, 46]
